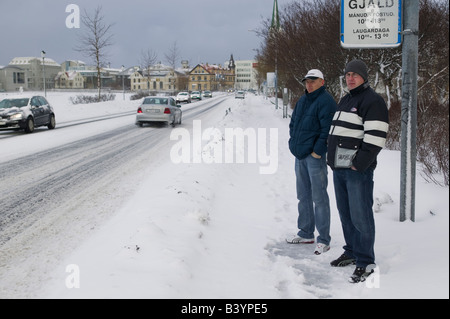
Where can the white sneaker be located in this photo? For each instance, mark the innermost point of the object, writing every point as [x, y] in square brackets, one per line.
[300, 240]
[321, 248]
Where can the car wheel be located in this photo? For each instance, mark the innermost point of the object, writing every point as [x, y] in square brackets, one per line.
[29, 127]
[52, 124]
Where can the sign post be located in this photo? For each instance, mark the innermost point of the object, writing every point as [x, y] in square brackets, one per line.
[410, 66]
[378, 24]
[371, 23]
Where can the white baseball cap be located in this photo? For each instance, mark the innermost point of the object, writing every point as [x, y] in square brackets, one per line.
[313, 74]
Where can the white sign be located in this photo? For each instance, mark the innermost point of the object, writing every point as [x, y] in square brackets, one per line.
[271, 79]
[371, 23]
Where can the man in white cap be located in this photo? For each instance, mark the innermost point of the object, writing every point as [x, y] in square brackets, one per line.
[308, 129]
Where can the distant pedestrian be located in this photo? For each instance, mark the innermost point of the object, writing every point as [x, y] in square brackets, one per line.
[308, 129]
[357, 135]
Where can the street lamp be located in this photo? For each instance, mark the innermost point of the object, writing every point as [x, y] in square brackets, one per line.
[43, 71]
[123, 83]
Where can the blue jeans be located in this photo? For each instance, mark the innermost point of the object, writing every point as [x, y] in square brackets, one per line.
[354, 198]
[313, 201]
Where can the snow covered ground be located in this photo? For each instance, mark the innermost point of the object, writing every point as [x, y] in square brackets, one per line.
[204, 228]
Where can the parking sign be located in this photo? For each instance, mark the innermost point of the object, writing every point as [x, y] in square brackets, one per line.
[371, 23]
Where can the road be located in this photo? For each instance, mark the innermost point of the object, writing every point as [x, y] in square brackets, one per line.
[68, 190]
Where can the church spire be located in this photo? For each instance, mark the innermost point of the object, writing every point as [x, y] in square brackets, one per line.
[231, 64]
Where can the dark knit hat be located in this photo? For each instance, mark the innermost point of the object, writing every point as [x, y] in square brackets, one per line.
[359, 67]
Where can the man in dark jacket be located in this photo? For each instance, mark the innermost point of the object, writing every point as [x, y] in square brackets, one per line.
[308, 129]
[357, 135]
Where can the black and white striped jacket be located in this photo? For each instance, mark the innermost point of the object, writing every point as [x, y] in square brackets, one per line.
[358, 131]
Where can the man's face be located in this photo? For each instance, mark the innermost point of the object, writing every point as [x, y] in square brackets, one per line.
[312, 85]
[353, 80]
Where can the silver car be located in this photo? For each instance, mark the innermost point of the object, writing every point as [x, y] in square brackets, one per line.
[158, 109]
[26, 113]
[183, 97]
[239, 95]
[196, 95]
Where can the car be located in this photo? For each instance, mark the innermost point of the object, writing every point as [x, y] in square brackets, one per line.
[207, 94]
[26, 113]
[158, 109]
[239, 94]
[196, 95]
[183, 97]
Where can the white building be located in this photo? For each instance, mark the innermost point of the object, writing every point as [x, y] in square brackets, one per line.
[34, 72]
[246, 75]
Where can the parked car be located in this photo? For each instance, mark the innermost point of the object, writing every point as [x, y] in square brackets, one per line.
[239, 94]
[196, 95]
[207, 94]
[26, 113]
[158, 109]
[183, 97]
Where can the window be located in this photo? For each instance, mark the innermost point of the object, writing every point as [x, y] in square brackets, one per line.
[35, 101]
[19, 77]
[162, 101]
[42, 100]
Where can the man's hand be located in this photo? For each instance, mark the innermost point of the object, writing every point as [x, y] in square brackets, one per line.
[315, 155]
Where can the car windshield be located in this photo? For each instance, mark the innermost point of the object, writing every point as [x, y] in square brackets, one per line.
[155, 101]
[7, 103]
[183, 93]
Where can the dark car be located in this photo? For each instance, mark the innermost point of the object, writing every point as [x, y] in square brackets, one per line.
[26, 113]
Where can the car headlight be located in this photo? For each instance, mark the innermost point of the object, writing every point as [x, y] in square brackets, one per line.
[16, 117]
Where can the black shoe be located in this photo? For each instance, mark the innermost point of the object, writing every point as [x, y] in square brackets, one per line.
[343, 261]
[360, 274]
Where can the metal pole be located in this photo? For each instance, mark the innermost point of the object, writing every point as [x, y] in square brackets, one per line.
[276, 78]
[123, 82]
[409, 110]
[43, 72]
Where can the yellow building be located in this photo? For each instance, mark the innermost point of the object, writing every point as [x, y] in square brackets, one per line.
[211, 77]
[160, 78]
[69, 80]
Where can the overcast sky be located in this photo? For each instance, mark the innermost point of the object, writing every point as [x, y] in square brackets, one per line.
[205, 31]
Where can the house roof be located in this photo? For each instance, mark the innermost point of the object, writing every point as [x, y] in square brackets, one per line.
[27, 60]
[70, 75]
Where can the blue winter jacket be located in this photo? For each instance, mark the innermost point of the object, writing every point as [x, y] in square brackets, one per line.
[310, 123]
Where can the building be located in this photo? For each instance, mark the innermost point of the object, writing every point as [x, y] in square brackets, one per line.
[158, 78]
[246, 75]
[212, 77]
[69, 80]
[12, 78]
[70, 65]
[34, 71]
[123, 81]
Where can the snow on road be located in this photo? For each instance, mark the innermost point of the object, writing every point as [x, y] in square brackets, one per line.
[216, 230]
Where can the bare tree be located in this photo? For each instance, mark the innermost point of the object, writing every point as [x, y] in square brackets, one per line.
[146, 61]
[310, 39]
[95, 40]
[173, 55]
